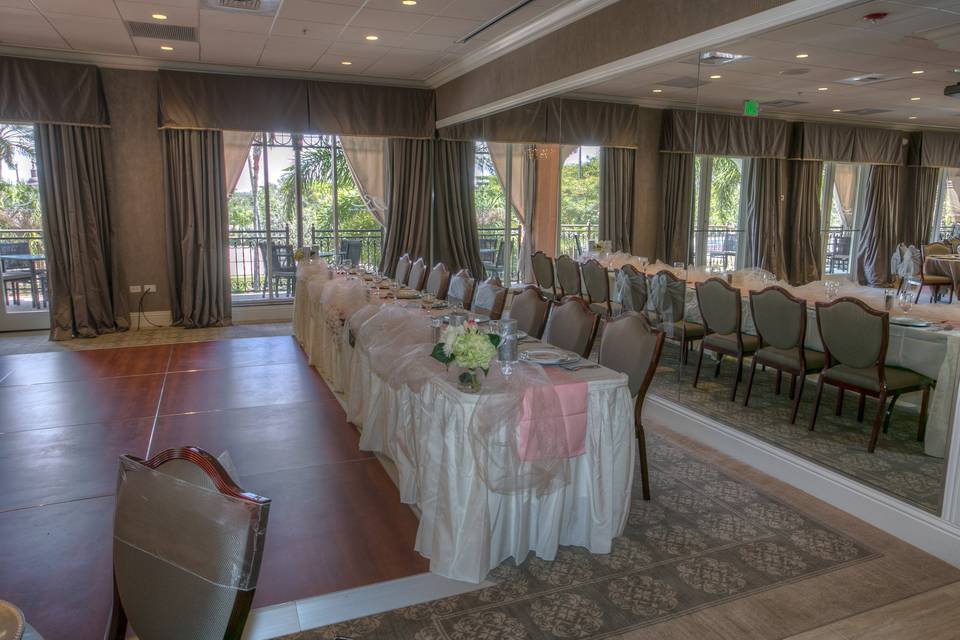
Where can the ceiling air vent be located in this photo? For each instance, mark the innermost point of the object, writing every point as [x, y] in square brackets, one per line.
[258, 7]
[715, 58]
[683, 82]
[781, 104]
[162, 31]
[868, 78]
[866, 112]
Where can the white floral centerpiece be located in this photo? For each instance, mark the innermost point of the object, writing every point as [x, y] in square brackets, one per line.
[468, 348]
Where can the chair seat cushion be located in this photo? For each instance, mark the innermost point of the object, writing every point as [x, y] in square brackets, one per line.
[682, 329]
[728, 342]
[868, 378]
[601, 308]
[928, 279]
[790, 358]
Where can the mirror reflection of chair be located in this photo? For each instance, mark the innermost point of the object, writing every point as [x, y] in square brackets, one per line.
[544, 274]
[461, 288]
[931, 280]
[490, 298]
[350, 250]
[667, 294]
[491, 255]
[781, 323]
[187, 548]
[632, 285]
[721, 310]
[530, 309]
[439, 281]
[855, 339]
[597, 282]
[568, 276]
[402, 273]
[572, 326]
[418, 275]
[631, 346]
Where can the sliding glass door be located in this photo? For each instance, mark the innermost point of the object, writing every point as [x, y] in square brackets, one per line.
[497, 188]
[719, 212]
[579, 200]
[23, 268]
[844, 188]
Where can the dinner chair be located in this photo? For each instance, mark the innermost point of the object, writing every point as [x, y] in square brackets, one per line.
[855, 339]
[721, 310]
[543, 272]
[572, 326]
[568, 276]
[632, 285]
[931, 280]
[667, 294]
[461, 289]
[597, 282]
[401, 275]
[781, 323]
[187, 546]
[904, 264]
[530, 309]
[439, 281]
[418, 275]
[631, 346]
[490, 298]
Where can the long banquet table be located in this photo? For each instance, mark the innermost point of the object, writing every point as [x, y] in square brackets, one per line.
[422, 422]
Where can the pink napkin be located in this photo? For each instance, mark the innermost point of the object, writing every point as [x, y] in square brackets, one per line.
[552, 429]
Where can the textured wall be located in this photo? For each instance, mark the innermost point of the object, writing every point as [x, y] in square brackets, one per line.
[136, 182]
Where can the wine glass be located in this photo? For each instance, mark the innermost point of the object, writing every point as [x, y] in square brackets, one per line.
[906, 301]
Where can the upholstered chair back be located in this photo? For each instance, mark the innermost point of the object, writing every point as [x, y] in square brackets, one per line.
[719, 305]
[543, 269]
[631, 346]
[402, 273]
[439, 281]
[530, 309]
[596, 280]
[461, 288]
[633, 289]
[490, 298]
[572, 326]
[568, 275]
[418, 275]
[780, 318]
[667, 294]
[852, 333]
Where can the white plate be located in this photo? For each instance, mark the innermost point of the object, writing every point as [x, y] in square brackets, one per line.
[407, 294]
[547, 356]
[904, 321]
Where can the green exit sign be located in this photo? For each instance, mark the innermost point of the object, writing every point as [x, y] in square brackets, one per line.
[751, 108]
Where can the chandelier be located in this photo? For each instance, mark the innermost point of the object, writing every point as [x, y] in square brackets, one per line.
[538, 152]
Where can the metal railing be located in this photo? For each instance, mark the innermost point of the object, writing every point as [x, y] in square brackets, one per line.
[836, 257]
[577, 238]
[371, 242]
[493, 253]
[247, 249]
[33, 236]
[717, 247]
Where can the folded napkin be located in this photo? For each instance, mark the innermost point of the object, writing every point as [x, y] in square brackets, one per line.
[554, 419]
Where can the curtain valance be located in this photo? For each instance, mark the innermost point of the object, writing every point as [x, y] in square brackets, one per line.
[724, 135]
[845, 143]
[48, 92]
[935, 149]
[530, 123]
[370, 110]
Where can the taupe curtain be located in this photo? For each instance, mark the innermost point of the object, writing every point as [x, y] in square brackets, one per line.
[530, 214]
[846, 143]
[676, 206]
[920, 200]
[366, 157]
[616, 196]
[86, 291]
[409, 190]
[881, 224]
[236, 151]
[197, 218]
[766, 225]
[801, 234]
[51, 92]
[456, 243]
[724, 135]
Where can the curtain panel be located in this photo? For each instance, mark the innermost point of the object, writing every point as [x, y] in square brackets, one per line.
[197, 219]
[370, 110]
[86, 290]
[366, 158]
[456, 242]
[676, 207]
[40, 91]
[718, 134]
[881, 224]
[617, 172]
[766, 224]
[409, 188]
[846, 143]
[935, 149]
[920, 189]
[803, 254]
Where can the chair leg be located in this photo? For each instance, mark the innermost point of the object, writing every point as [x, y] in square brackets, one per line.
[776, 388]
[861, 407]
[793, 385]
[117, 624]
[838, 410]
[796, 400]
[816, 402]
[736, 378]
[875, 432]
[696, 376]
[716, 371]
[922, 426]
[644, 468]
[919, 290]
[889, 412]
[753, 371]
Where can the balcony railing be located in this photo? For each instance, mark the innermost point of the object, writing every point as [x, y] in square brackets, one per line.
[26, 290]
[371, 242]
[717, 247]
[577, 238]
[836, 258]
[33, 236]
[493, 253]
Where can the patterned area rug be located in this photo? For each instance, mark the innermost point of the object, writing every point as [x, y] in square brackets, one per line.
[703, 540]
[898, 466]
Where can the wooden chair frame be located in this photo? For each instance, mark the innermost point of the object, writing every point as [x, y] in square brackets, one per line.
[549, 302]
[563, 290]
[424, 274]
[552, 287]
[935, 294]
[606, 286]
[737, 353]
[500, 300]
[585, 307]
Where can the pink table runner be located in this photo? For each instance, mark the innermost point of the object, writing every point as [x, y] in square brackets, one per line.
[554, 419]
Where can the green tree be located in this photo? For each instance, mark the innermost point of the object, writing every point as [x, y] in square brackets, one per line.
[580, 193]
[15, 140]
[725, 192]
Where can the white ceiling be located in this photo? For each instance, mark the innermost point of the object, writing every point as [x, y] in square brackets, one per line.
[414, 43]
[916, 35]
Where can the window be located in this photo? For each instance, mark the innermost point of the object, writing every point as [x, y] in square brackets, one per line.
[580, 200]
[842, 213]
[947, 214]
[295, 191]
[497, 165]
[719, 215]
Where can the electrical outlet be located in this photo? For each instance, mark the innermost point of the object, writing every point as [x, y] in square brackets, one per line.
[149, 288]
[135, 288]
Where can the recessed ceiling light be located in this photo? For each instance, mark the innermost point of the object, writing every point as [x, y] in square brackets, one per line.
[716, 76]
[166, 47]
[408, 3]
[912, 118]
[658, 90]
[801, 56]
[158, 16]
[914, 99]
[917, 72]
[346, 63]
[822, 88]
[837, 110]
[371, 37]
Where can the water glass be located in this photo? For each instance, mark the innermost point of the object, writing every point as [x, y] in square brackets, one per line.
[888, 296]
[436, 326]
[508, 352]
[906, 300]
[458, 318]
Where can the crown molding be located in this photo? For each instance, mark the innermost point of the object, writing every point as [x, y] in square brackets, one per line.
[137, 63]
[522, 35]
[750, 25]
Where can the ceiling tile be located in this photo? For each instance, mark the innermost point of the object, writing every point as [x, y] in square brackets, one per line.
[93, 34]
[292, 53]
[304, 29]
[357, 35]
[181, 50]
[233, 21]
[449, 27]
[28, 28]
[429, 7]
[227, 47]
[358, 50]
[393, 20]
[481, 10]
[330, 63]
[402, 63]
[141, 12]
[313, 11]
[183, 4]
[427, 42]
[17, 4]
[88, 8]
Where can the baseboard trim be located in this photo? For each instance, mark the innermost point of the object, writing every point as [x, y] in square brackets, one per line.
[263, 313]
[911, 524]
[142, 320]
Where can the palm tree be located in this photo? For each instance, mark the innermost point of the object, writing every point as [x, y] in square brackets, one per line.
[15, 140]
